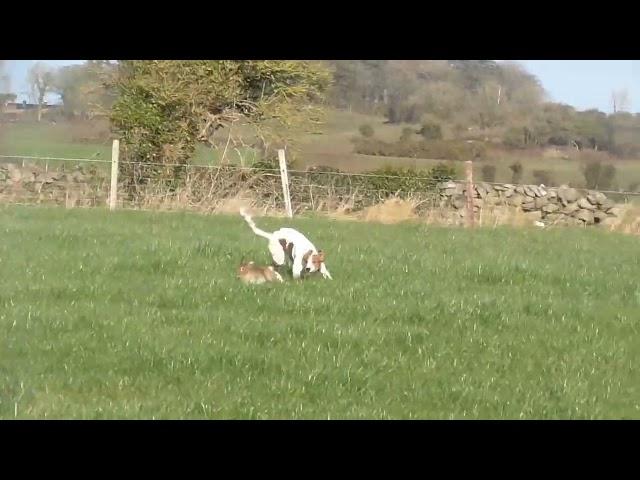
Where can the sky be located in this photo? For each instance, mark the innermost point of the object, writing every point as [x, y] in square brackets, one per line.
[584, 84]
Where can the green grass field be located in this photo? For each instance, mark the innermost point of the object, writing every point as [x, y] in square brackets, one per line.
[47, 140]
[330, 146]
[139, 315]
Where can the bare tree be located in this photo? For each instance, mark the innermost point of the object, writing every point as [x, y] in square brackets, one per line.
[5, 78]
[40, 82]
[620, 100]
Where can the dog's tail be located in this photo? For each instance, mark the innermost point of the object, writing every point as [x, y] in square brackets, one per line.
[255, 229]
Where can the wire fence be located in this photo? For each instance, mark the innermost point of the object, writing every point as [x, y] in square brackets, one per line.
[85, 182]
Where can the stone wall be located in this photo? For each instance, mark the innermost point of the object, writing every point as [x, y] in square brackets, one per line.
[564, 205]
[33, 184]
[87, 186]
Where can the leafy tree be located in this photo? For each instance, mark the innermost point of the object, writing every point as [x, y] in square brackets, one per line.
[83, 88]
[164, 108]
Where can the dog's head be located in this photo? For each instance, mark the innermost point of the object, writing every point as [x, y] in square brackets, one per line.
[312, 261]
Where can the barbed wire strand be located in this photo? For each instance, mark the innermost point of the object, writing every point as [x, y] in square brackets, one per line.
[291, 172]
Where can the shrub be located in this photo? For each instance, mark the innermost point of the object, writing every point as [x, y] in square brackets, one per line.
[436, 149]
[626, 150]
[559, 140]
[372, 146]
[599, 176]
[513, 138]
[431, 131]
[321, 175]
[544, 177]
[458, 130]
[366, 130]
[443, 172]
[516, 172]
[634, 187]
[478, 150]
[488, 173]
[407, 133]
[394, 179]
[608, 176]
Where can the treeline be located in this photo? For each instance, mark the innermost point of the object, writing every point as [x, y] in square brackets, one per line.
[448, 100]
[465, 93]
[478, 99]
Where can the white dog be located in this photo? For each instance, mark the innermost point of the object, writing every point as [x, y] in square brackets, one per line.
[288, 242]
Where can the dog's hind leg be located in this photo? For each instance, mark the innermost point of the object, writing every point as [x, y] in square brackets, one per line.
[277, 254]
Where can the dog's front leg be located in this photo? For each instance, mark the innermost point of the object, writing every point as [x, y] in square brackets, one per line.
[297, 270]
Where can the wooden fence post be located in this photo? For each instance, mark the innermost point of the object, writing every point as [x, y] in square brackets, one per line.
[470, 195]
[115, 153]
[284, 176]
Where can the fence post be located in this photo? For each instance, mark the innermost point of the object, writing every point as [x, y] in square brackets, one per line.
[284, 176]
[469, 174]
[115, 153]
